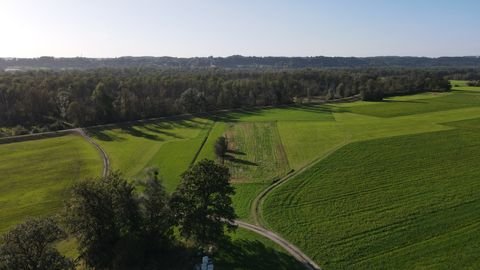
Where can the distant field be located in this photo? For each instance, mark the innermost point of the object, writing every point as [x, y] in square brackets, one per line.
[399, 202]
[36, 174]
[287, 113]
[395, 107]
[462, 85]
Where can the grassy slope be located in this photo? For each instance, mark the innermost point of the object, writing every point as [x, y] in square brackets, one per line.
[35, 175]
[387, 203]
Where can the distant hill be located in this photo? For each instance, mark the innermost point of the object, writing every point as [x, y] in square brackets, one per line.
[237, 62]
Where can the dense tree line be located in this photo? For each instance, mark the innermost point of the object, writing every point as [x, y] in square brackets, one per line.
[47, 100]
[119, 225]
[238, 62]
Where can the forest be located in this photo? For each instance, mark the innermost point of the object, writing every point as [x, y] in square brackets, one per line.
[37, 101]
[239, 62]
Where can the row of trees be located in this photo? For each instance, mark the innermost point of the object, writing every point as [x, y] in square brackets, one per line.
[45, 100]
[118, 227]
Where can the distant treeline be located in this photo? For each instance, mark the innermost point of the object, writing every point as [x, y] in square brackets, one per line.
[48, 100]
[238, 62]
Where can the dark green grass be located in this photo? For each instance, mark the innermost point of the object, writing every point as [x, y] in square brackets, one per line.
[393, 107]
[393, 203]
[285, 113]
[248, 251]
[245, 193]
[35, 175]
[471, 124]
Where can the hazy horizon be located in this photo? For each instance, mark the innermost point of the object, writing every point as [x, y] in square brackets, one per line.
[187, 28]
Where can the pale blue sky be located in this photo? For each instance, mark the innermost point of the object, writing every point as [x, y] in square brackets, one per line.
[185, 28]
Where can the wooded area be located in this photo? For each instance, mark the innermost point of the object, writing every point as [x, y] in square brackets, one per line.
[38, 101]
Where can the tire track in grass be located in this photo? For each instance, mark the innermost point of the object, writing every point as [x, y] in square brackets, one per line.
[101, 151]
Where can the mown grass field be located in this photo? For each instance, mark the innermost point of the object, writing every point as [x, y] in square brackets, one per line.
[170, 146]
[35, 175]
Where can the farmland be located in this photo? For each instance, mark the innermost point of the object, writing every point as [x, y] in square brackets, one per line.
[35, 175]
[168, 145]
[368, 184]
[387, 199]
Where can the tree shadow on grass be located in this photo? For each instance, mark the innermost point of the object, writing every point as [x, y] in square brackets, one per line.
[101, 135]
[138, 133]
[254, 255]
[239, 161]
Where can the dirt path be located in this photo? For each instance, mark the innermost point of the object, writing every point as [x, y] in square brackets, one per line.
[293, 250]
[103, 154]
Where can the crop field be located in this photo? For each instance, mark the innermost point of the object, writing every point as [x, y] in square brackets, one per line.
[35, 175]
[387, 203]
[255, 152]
[387, 199]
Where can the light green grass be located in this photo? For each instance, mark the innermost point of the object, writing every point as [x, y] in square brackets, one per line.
[168, 145]
[462, 86]
[394, 203]
[395, 107]
[245, 193]
[35, 175]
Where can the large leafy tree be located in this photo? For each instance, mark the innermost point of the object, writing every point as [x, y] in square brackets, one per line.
[103, 215]
[31, 246]
[202, 204]
[157, 226]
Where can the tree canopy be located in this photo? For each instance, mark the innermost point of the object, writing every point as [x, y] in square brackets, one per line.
[30, 245]
[202, 204]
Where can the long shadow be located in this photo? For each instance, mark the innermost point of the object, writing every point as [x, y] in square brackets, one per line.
[161, 131]
[402, 101]
[103, 136]
[240, 161]
[138, 133]
[253, 255]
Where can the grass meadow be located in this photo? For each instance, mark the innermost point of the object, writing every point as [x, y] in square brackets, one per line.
[388, 184]
[35, 175]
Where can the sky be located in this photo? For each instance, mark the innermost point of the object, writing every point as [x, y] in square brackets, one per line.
[188, 28]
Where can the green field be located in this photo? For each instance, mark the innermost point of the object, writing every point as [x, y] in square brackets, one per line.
[248, 251]
[35, 175]
[387, 199]
[388, 184]
[170, 146]
[255, 152]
